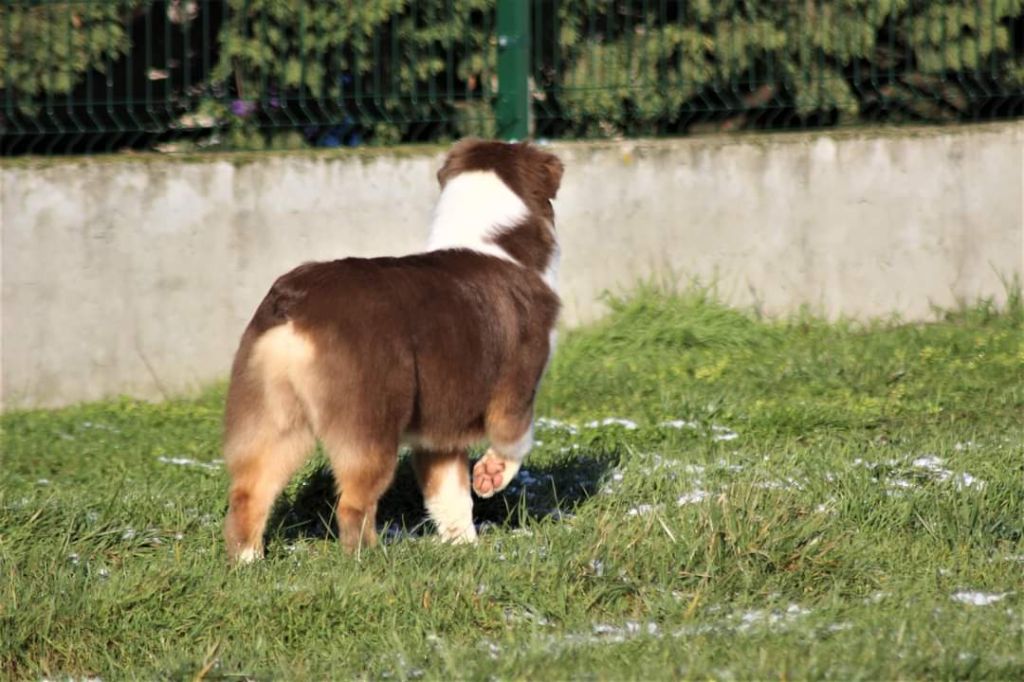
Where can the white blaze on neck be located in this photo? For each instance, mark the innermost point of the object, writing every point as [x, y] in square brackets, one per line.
[473, 207]
[551, 271]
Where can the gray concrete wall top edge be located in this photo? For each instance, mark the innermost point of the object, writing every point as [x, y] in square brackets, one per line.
[421, 151]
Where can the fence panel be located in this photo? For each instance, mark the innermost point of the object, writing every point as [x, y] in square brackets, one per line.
[85, 76]
[650, 67]
[94, 75]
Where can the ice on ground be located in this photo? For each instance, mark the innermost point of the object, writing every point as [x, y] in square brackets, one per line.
[186, 462]
[763, 618]
[876, 597]
[628, 424]
[723, 433]
[978, 598]
[679, 424]
[641, 510]
[788, 483]
[931, 463]
[935, 467]
[692, 497]
[965, 480]
[928, 466]
[555, 424]
[629, 628]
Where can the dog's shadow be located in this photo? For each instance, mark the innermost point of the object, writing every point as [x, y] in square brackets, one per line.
[540, 491]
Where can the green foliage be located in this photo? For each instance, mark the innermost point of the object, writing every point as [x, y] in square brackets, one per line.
[652, 63]
[392, 63]
[47, 47]
[288, 72]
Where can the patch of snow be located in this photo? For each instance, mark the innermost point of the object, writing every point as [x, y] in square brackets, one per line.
[692, 497]
[723, 433]
[788, 483]
[978, 598]
[627, 629]
[628, 424]
[930, 466]
[555, 424]
[185, 461]
[876, 597]
[732, 468]
[641, 510]
[762, 618]
[930, 462]
[679, 424]
[43, 481]
[965, 480]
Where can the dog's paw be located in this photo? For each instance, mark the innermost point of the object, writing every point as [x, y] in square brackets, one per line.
[492, 473]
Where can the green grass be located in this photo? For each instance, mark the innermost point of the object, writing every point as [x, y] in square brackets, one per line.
[835, 490]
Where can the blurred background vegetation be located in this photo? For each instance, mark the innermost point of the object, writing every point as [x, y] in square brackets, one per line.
[100, 75]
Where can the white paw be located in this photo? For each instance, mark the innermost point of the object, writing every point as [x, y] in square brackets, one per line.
[247, 556]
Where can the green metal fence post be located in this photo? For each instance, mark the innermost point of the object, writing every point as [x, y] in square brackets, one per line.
[513, 107]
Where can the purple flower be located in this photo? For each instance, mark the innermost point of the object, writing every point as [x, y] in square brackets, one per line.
[242, 108]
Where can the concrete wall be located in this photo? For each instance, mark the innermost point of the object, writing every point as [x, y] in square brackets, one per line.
[137, 275]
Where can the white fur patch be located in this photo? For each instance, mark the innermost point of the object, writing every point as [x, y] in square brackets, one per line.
[474, 206]
[551, 271]
[247, 556]
[451, 507]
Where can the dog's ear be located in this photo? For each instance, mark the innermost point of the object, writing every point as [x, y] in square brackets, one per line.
[553, 170]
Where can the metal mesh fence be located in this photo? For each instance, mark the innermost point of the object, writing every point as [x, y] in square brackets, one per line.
[90, 76]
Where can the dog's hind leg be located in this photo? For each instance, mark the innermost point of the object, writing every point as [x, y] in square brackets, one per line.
[363, 472]
[444, 480]
[509, 418]
[267, 438]
[511, 436]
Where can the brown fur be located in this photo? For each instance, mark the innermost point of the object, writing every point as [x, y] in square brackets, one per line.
[441, 348]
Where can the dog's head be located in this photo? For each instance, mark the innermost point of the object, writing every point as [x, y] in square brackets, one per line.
[496, 199]
[533, 174]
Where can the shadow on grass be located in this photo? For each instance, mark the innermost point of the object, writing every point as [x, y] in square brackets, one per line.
[540, 491]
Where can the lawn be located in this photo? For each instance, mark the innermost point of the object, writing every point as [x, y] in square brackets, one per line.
[712, 496]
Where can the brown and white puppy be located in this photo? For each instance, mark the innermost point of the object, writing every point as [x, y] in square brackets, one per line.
[439, 350]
